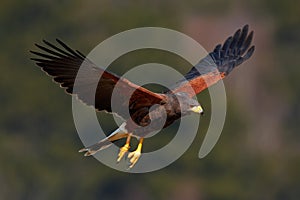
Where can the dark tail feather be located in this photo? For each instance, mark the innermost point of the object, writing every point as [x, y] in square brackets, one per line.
[103, 144]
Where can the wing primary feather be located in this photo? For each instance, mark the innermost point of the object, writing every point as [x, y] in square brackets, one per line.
[74, 54]
[81, 54]
[48, 50]
[63, 53]
[217, 48]
[43, 55]
[243, 36]
[227, 45]
[247, 43]
[249, 53]
[235, 39]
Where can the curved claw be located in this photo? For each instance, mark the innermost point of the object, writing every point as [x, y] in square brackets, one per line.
[134, 157]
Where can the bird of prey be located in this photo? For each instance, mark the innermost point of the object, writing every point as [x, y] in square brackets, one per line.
[144, 107]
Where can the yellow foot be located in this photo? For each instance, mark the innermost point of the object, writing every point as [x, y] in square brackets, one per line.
[122, 152]
[124, 149]
[134, 156]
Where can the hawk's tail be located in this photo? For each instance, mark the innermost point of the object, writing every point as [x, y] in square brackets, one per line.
[106, 142]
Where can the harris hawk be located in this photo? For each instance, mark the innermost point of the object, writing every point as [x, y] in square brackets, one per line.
[144, 107]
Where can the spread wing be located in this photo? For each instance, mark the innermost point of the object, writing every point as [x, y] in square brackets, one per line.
[217, 64]
[94, 86]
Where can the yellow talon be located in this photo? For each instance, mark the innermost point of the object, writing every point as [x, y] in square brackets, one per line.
[122, 152]
[135, 155]
[124, 149]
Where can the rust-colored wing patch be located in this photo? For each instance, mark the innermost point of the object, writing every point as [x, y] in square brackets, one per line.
[199, 83]
[217, 64]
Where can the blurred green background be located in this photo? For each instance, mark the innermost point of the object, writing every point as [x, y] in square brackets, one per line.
[257, 156]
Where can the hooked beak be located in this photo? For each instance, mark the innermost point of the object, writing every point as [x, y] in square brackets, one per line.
[197, 109]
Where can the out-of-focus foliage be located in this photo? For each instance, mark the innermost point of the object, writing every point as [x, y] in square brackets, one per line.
[257, 156]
